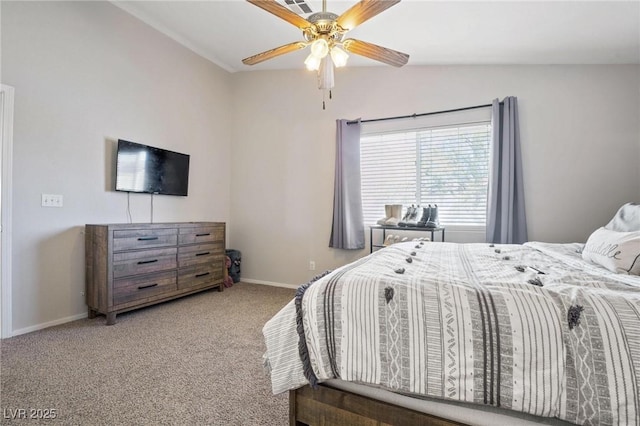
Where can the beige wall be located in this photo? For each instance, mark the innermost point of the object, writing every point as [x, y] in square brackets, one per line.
[86, 74]
[579, 127]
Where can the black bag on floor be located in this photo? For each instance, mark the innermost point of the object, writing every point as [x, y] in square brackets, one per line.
[234, 270]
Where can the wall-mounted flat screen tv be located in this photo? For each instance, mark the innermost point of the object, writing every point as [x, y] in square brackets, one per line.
[143, 168]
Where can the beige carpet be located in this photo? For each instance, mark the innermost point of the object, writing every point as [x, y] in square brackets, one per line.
[192, 361]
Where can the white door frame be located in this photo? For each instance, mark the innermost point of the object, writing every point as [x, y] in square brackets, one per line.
[6, 162]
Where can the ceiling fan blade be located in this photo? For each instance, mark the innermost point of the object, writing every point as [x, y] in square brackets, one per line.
[363, 11]
[268, 54]
[281, 12]
[379, 53]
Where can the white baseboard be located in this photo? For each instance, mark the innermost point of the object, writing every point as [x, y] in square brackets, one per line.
[47, 324]
[272, 284]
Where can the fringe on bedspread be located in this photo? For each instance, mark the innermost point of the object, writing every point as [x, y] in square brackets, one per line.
[302, 341]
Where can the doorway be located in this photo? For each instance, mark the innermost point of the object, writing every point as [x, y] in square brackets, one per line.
[6, 152]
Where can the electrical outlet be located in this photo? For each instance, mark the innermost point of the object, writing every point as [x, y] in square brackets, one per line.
[82, 293]
[51, 200]
[312, 265]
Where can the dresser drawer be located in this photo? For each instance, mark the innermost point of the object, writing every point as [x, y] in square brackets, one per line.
[144, 238]
[145, 261]
[200, 275]
[202, 234]
[199, 253]
[130, 289]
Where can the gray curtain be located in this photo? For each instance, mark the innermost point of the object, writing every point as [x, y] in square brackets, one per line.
[347, 231]
[506, 221]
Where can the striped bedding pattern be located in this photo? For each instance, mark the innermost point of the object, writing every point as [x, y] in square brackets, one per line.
[531, 328]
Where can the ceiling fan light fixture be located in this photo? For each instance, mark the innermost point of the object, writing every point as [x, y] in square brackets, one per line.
[320, 48]
[339, 57]
[312, 62]
[325, 74]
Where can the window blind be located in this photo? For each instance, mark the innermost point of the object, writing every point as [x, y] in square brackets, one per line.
[447, 166]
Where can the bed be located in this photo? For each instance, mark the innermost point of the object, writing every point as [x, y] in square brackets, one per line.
[444, 333]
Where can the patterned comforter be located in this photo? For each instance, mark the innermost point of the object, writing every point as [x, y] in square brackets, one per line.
[531, 328]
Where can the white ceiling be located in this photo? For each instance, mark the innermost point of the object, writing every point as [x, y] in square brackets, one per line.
[431, 32]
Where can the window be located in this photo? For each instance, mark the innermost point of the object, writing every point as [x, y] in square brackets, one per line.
[446, 165]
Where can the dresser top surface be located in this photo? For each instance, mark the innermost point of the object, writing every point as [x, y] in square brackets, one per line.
[156, 225]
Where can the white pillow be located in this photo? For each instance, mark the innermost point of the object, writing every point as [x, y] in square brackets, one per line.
[617, 251]
[627, 219]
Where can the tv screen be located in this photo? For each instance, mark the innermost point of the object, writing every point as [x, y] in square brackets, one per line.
[143, 168]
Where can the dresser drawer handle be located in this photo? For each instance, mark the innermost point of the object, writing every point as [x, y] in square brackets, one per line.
[203, 235]
[147, 238]
[203, 254]
[142, 287]
[142, 262]
[202, 275]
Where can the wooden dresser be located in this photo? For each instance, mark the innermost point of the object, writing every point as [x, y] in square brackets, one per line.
[129, 266]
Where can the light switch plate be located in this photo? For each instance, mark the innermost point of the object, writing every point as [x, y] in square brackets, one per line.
[51, 200]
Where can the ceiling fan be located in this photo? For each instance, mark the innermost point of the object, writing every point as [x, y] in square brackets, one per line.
[324, 32]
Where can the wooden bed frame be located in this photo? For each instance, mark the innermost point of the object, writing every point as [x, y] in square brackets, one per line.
[330, 406]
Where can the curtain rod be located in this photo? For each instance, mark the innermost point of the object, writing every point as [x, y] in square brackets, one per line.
[419, 115]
